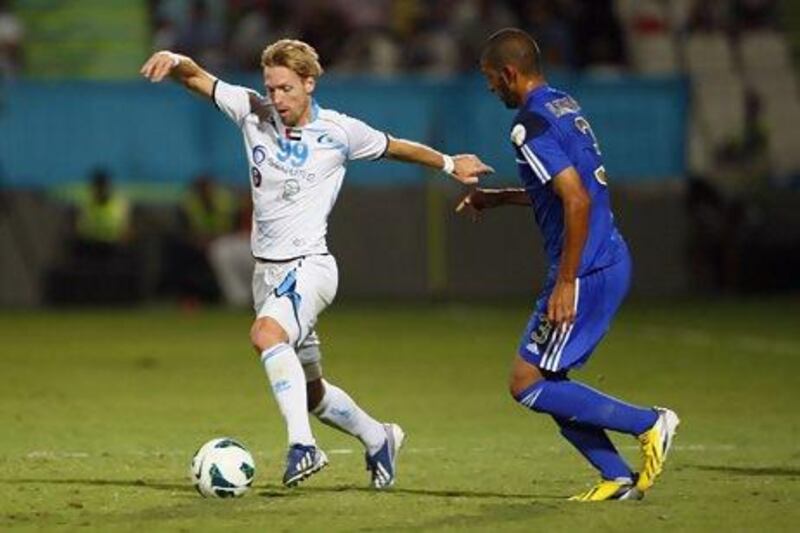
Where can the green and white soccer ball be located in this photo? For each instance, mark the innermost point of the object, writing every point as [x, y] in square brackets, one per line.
[222, 468]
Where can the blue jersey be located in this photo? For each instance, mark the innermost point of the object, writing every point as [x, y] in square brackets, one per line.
[549, 134]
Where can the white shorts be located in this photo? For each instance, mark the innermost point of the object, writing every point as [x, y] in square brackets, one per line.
[294, 293]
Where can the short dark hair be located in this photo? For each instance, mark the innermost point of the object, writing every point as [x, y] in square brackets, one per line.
[512, 46]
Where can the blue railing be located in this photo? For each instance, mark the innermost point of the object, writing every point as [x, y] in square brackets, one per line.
[56, 132]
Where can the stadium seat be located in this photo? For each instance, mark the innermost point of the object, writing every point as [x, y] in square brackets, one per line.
[763, 52]
[655, 54]
[719, 102]
[709, 55]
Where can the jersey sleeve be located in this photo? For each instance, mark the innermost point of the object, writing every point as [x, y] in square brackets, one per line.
[363, 141]
[538, 144]
[233, 100]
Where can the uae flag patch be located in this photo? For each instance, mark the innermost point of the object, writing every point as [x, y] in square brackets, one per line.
[294, 134]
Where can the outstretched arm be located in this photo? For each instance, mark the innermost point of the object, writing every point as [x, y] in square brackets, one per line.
[466, 168]
[182, 69]
[479, 199]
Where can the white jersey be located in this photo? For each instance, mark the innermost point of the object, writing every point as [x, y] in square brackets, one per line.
[295, 173]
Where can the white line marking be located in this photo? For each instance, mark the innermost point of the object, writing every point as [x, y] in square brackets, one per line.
[50, 454]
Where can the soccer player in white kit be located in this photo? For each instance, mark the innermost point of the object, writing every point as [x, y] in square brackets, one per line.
[297, 154]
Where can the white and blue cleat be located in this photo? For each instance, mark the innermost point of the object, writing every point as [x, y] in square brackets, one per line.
[302, 462]
[383, 463]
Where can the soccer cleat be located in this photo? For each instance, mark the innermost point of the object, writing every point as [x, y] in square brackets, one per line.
[303, 462]
[383, 464]
[655, 444]
[622, 488]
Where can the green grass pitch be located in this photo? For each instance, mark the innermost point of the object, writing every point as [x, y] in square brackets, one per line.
[100, 413]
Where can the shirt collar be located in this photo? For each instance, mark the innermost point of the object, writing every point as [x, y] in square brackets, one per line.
[541, 89]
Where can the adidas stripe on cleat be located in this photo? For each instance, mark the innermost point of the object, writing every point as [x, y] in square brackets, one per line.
[655, 444]
[302, 462]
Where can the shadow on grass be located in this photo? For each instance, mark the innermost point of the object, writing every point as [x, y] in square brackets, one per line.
[277, 491]
[769, 471]
[158, 485]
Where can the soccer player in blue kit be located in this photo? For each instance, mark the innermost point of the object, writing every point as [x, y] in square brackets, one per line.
[564, 181]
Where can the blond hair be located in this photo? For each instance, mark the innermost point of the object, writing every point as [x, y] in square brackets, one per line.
[295, 55]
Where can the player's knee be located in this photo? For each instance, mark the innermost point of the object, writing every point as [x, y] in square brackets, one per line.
[266, 333]
[523, 376]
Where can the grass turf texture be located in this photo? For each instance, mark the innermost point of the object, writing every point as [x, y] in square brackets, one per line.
[101, 412]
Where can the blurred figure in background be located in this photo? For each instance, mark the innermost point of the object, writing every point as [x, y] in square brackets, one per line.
[208, 211]
[100, 264]
[103, 216]
[202, 35]
[232, 260]
[11, 35]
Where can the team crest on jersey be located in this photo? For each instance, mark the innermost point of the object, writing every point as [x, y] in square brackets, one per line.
[518, 134]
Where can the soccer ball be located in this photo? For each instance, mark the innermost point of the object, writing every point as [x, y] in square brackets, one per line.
[222, 468]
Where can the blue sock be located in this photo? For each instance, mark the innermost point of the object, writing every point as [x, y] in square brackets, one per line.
[579, 403]
[596, 447]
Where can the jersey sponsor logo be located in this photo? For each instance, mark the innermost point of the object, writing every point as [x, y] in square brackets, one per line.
[563, 106]
[302, 173]
[518, 134]
[255, 174]
[259, 154]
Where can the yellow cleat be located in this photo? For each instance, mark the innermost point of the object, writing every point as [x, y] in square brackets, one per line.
[618, 489]
[655, 443]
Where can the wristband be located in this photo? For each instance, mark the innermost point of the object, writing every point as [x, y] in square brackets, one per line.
[449, 165]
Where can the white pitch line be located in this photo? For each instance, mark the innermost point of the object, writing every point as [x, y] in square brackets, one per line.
[51, 454]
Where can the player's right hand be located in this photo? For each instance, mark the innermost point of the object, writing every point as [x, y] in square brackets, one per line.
[469, 168]
[160, 65]
[474, 203]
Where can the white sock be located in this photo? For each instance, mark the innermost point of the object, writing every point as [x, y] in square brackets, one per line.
[338, 410]
[288, 382]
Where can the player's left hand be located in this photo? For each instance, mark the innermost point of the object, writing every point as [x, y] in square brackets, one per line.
[469, 168]
[561, 306]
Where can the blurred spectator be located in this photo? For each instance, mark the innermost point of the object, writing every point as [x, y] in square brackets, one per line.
[373, 51]
[552, 30]
[708, 16]
[755, 14]
[231, 258]
[254, 25]
[208, 212]
[473, 21]
[323, 25]
[201, 37]
[599, 40]
[103, 216]
[431, 46]
[165, 35]
[11, 36]
[101, 265]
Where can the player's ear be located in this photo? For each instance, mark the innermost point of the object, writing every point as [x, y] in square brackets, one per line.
[310, 84]
[508, 74]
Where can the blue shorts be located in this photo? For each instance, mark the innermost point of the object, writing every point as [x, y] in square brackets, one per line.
[598, 296]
